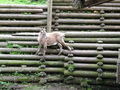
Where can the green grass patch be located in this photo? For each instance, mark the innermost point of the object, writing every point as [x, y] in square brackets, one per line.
[25, 2]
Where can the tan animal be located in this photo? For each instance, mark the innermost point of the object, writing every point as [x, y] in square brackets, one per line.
[47, 39]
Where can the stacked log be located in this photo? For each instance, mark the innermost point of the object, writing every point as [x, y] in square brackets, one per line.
[93, 33]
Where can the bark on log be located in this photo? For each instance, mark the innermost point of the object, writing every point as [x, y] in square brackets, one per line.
[110, 5]
[87, 15]
[87, 21]
[31, 57]
[92, 66]
[23, 6]
[94, 40]
[13, 10]
[70, 8]
[54, 51]
[20, 16]
[75, 45]
[76, 40]
[93, 34]
[88, 27]
[30, 69]
[27, 62]
[13, 23]
[53, 78]
[90, 74]
[23, 29]
[92, 60]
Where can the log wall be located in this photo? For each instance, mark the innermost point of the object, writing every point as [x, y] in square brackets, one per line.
[93, 33]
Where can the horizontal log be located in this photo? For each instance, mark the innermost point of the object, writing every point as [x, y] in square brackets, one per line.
[53, 78]
[91, 40]
[92, 60]
[54, 51]
[31, 57]
[90, 74]
[10, 37]
[23, 6]
[22, 16]
[94, 40]
[92, 34]
[88, 27]
[94, 46]
[92, 66]
[31, 69]
[74, 45]
[78, 33]
[87, 21]
[27, 62]
[87, 15]
[16, 10]
[13, 23]
[110, 5]
[63, 58]
[69, 8]
[16, 29]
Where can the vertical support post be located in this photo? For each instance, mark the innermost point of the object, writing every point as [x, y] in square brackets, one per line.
[49, 16]
[118, 68]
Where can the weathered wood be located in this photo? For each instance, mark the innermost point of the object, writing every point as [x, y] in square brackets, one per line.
[23, 6]
[31, 57]
[87, 21]
[90, 74]
[88, 27]
[13, 10]
[92, 34]
[70, 8]
[49, 17]
[31, 69]
[87, 15]
[118, 68]
[33, 63]
[110, 4]
[85, 40]
[53, 78]
[16, 29]
[92, 66]
[19, 22]
[54, 51]
[77, 34]
[90, 3]
[92, 60]
[22, 16]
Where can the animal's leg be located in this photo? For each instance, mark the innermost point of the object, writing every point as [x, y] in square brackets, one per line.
[44, 49]
[39, 49]
[60, 46]
[61, 41]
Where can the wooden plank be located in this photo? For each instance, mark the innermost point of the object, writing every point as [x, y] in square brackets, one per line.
[118, 68]
[49, 17]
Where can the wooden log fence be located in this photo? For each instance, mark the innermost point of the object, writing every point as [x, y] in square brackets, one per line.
[94, 55]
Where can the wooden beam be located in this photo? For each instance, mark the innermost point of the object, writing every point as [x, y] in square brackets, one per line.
[49, 17]
[118, 68]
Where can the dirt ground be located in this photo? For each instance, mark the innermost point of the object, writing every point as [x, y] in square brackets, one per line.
[54, 86]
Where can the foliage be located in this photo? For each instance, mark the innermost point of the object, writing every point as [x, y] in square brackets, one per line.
[26, 2]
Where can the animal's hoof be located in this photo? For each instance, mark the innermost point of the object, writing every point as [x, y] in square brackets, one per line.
[39, 53]
[70, 55]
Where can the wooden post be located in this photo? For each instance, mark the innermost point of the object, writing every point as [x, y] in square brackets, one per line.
[49, 16]
[118, 68]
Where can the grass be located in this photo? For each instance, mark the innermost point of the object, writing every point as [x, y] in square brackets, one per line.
[24, 2]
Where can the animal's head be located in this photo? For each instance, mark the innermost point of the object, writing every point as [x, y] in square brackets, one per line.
[43, 31]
